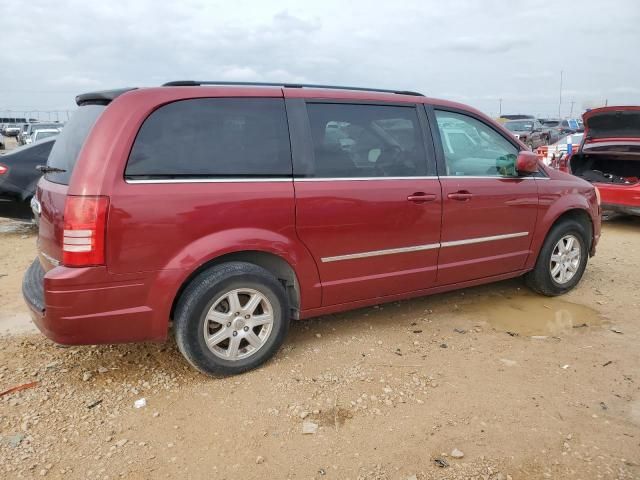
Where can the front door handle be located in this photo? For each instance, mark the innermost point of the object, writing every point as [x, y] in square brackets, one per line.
[421, 197]
[461, 196]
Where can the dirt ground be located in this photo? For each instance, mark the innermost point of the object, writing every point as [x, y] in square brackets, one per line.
[525, 387]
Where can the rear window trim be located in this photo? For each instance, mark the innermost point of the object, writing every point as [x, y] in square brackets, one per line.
[230, 179]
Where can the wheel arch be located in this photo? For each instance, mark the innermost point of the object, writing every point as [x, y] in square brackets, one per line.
[576, 211]
[271, 262]
[581, 215]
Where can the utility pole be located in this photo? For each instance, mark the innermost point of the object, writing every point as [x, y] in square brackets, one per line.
[571, 113]
[500, 101]
[560, 102]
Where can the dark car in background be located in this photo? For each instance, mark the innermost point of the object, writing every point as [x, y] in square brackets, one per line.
[530, 132]
[18, 177]
[553, 127]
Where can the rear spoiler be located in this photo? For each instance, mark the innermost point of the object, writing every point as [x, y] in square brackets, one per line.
[103, 97]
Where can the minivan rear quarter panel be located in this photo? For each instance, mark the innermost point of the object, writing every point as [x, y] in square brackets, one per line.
[160, 233]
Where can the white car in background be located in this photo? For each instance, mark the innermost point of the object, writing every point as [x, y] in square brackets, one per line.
[44, 133]
[28, 134]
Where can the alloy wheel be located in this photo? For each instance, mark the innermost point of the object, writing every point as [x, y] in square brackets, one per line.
[565, 259]
[238, 324]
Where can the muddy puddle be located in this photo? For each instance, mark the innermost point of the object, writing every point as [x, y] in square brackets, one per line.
[526, 314]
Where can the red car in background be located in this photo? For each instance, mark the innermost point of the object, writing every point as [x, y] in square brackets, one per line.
[609, 157]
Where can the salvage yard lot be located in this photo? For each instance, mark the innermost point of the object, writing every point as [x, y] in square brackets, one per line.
[525, 386]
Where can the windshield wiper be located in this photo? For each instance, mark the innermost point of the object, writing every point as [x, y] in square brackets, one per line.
[47, 169]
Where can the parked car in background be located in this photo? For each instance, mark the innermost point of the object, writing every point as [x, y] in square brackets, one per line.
[40, 134]
[609, 157]
[18, 178]
[553, 126]
[531, 132]
[39, 126]
[11, 130]
[23, 129]
[571, 125]
[505, 118]
[233, 209]
[2, 146]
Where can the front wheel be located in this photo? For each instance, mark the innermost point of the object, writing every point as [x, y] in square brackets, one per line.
[562, 259]
[231, 318]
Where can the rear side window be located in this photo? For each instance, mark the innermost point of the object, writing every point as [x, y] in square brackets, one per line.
[213, 137]
[355, 141]
[65, 151]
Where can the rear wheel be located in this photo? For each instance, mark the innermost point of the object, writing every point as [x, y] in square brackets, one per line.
[231, 318]
[562, 259]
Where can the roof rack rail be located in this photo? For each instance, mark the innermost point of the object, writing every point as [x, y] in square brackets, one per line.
[194, 83]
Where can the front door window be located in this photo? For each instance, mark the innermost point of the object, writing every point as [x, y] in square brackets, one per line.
[472, 148]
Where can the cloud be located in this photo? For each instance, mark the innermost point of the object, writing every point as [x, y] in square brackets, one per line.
[487, 44]
[474, 52]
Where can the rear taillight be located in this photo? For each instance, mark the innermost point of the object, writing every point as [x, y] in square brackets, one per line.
[85, 220]
[3, 169]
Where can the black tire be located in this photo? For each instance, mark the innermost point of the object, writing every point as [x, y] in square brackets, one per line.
[200, 295]
[540, 279]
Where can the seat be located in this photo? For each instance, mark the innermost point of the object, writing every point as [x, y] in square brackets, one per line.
[333, 162]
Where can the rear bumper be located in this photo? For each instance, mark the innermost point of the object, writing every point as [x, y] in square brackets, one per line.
[81, 306]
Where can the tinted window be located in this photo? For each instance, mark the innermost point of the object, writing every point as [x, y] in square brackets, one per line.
[213, 137]
[366, 141]
[64, 153]
[472, 148]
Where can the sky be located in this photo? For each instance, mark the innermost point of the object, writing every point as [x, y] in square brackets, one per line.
[472, 51]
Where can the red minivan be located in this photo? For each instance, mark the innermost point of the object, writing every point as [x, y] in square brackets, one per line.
[232, 209]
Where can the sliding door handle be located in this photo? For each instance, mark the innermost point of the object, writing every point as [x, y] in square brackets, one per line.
[421, 197]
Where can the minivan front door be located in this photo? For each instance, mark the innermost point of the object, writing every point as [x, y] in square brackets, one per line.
[489, 212]
[368, 203]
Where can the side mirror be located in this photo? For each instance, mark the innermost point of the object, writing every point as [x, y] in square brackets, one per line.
[527, 162]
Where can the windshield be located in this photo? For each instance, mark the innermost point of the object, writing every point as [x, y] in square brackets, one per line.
[519, 126]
